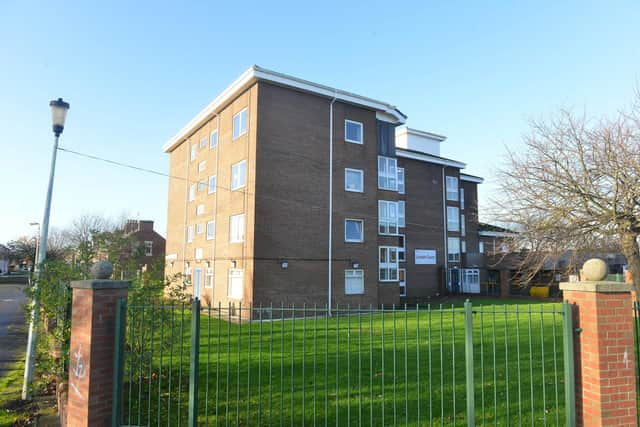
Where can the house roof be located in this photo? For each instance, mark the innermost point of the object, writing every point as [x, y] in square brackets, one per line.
[256, 73]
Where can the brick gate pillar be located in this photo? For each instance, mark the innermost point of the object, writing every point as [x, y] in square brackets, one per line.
[93, 314]
[504, 283]
[603, 349]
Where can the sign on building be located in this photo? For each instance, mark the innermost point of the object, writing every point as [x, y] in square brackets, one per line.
[425, 256]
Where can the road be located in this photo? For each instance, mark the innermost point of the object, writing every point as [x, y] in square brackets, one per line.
[13, 331]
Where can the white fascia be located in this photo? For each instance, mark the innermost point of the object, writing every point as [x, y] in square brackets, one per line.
[471, 178]
[429, 159]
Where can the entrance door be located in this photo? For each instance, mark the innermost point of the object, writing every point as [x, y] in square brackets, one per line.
[197, 282]
[454, 280]
[402, 278]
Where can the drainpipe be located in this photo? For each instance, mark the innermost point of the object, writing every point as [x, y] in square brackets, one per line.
[444, 216]
[330, 263]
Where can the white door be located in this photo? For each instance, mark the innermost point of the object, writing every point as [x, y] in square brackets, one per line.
[197, 282]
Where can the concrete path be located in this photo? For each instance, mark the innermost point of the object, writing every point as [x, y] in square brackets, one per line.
[13, 330]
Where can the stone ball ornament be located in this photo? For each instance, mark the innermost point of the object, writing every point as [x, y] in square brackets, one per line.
[594, 270]
[101, 270]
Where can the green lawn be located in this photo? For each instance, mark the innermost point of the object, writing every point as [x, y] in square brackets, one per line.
[397, 367]
[10, 389]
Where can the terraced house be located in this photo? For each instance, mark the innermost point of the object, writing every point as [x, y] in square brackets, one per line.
[288, 191]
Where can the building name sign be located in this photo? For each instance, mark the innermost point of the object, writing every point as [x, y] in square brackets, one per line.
[425, 256]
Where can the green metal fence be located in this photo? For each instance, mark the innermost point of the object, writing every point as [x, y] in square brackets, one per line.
[420, 365]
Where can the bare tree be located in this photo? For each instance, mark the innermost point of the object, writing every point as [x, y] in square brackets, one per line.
[576, 187]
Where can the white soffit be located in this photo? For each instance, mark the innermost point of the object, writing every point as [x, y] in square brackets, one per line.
[429, 159]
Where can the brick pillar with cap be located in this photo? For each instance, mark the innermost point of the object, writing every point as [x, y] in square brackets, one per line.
[91, 362]
[603, 348]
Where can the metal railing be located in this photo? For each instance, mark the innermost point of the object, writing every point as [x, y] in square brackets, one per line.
[419, 365]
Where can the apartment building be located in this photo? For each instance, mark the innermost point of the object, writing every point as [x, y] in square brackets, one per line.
[288, 191]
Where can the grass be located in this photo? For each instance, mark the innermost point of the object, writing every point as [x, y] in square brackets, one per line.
[10, 389]
[380, 368]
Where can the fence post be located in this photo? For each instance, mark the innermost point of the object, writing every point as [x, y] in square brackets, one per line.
[194, 363]
[118, 361]
[468, 348]
[569, 375]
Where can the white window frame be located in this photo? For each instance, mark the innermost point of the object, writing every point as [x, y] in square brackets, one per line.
[461, 198]
[200, 209]
[455, 255]
[199, 228]
[148, 248]
[481, 247]
[235, 273]
[463, 227]
[452, 188]
[235, 177]
[202, 166]
[190, 234]
[213, 142]
[198, 253]
[387, 224]
[353, 122]
[236, 236]
[242, 123]
[470, 279]
[212, 179]
[202, 184]
[194, 152]
[211, 226]
[389, 175]
[187, 273]
[353, 275]
[203, 142]
[360, 172]
[388, 264]
[463, 246]
[402, 222]
[402, 249]
[400, 182]
[346, 239]
[402, 274]
[208, 278]
[453, 218]
[192, 192]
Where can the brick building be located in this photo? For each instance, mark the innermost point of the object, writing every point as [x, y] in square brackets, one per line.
[262, 174]
[150, 242]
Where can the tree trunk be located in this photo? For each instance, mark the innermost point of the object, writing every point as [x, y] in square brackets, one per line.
[632, 253]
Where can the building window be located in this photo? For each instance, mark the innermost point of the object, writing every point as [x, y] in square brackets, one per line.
[202, 184]
[387, 217]
[208, 278]
[388, 264]
[481, 247]
[192, 192]
[190, 234]
[353, 282]
[463, 227]
[462, 198]
[353, 131]
[212, 184]
[235, 288]
[463, 246]
[401, 180]
[199, 228]
[387, 173]
[148, 248]
[354, 180]
[200, 209]
[213, 142]
[353, 230]
[194, 151]
[236, 228]
[198, 253]
[453, 249]
[402, 248]
[203, 143]
[471, 280]
[240, 124]
[402, 279]
[453, 218]
[211, 230]
[452, 188]
[238, 175]
[202, 166]
[401, 215]
[187, 273]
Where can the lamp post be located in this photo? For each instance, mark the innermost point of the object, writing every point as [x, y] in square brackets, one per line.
[33, 224]
[59, 110]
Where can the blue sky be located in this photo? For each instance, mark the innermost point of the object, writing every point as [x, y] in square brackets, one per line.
[136, 72]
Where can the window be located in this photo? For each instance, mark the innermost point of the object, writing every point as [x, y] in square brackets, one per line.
[213, 142]
[453, 249]
[192, 192]
[148, 248]
[202, 166]
[353, 131]
[471, 280]
[200, 209]
[194, 151]
[187, 273]
[452, 188]
[401, 219]
[353, 230]
[462, 198]
[238, 175]
[212, 184]
[388, 264]
[402, 279]
[198, 253]
[453, 218]
[208, 278]
[354, 180]
[236, 228]
[463, 246]
[402, 248]
[202, 185]
[190, 234]
[463, 228]
[211, 230]
[353, 282]
[387, 217]
[235, 289]
[199, 228]
[387, 173]
[240, 124]
[481, 247]
[203, 143]
[401, 180]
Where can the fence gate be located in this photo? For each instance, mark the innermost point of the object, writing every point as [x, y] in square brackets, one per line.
[421, 365]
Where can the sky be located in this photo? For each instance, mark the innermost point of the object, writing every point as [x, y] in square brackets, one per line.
[136, 72]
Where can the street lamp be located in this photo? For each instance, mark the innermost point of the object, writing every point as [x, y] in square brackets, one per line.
[59, 110]
[34, 224]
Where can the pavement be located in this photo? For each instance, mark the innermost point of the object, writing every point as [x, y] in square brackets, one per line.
[13, 329]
